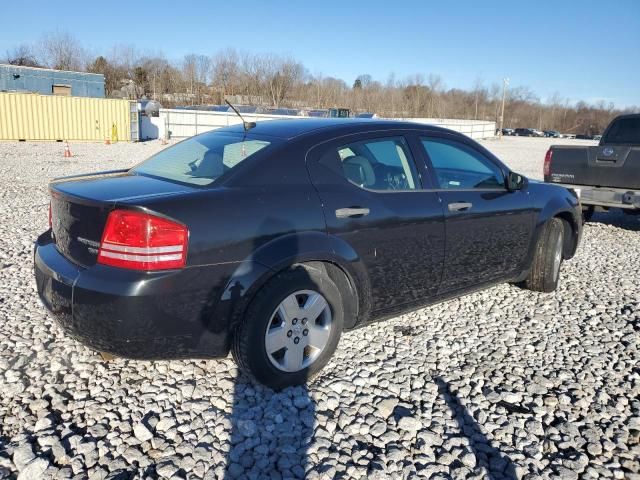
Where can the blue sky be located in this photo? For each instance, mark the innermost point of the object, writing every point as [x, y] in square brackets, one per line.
[582, 49]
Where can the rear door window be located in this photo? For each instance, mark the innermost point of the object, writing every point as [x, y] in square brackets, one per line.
[378, 164]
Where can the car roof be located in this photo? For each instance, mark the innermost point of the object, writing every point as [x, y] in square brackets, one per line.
[628, 115]
[291, 128]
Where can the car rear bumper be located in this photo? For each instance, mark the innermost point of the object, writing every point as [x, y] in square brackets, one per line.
[142, 315]
[607, 196]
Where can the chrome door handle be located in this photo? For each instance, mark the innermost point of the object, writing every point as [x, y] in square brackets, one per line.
[352, 212]
[460, 206]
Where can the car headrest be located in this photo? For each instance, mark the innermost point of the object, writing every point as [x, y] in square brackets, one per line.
[359, 170]
[211, 165]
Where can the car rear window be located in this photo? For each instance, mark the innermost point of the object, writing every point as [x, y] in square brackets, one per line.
[624, 130]
[201, 159]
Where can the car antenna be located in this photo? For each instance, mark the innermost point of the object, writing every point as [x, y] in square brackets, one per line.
[246, 125]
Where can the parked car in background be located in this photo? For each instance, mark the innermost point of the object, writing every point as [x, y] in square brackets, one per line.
[606, 175]
[584, 136]
[508, 132]
[269, 240]
[528, 132]
[552, 134]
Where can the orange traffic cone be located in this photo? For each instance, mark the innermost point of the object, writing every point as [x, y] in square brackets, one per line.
[67, 151]
[107, 141]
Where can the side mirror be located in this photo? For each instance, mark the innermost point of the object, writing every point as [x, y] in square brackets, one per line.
[514, 181]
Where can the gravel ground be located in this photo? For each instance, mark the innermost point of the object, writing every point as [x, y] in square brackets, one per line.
[504, 383]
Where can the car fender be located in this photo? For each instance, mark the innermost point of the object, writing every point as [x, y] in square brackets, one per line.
[565, 206]
[276, 256]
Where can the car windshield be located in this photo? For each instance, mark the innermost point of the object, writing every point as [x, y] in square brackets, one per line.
[624, 131]
[201, 159]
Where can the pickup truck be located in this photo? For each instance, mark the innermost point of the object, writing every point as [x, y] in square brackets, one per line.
[604, 176]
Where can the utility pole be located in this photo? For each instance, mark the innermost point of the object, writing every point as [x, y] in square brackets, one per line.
[540, 119]
[505, 83]
[476, 115]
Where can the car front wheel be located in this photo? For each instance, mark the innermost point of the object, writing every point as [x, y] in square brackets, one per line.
[291, 328]
[547, 259]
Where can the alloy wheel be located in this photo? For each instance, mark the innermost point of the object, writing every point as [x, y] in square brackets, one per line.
[557, 258]
[298, 330]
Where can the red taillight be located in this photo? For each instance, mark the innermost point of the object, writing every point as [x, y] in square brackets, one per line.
[546, 170]
[140, 241]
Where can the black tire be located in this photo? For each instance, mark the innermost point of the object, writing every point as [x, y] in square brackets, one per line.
[248, 343]
[545, 268]
[587, 214]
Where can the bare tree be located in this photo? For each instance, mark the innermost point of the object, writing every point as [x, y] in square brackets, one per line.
[62, 51]
[252, 77]
[22, 55]
[126, 57]
[283, 81]
[435, 86]
[333, 91]
[281, 74]
[110, 72]
[189, 72]
[226, 72]
[479, 96]
[416, 95]
[203, 76]
[158, 80]
[320, 92]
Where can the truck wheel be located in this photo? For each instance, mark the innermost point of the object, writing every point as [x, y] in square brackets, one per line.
[587, 214]
[290, 329]
[547, 259]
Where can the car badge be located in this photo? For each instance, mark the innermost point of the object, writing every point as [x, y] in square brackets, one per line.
[607, 151]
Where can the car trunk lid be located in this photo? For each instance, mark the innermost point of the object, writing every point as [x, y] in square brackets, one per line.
[80, 207]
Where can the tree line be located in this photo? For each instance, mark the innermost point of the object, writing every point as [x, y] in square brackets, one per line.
[283, 81]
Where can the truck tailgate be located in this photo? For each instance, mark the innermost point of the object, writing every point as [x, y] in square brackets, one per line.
[601, 166]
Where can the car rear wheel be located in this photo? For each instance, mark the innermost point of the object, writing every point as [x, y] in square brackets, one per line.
[547, 260]
[291, 328]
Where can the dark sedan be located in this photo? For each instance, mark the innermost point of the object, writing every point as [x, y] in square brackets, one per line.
[552, 134]
[528, 132]
[271, 241]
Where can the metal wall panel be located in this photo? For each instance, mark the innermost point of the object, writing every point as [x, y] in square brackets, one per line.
[42, 80]
[185, 123]
[29, 116]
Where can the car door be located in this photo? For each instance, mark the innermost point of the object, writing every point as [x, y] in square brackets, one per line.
[488, 228]
[374, 200]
